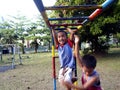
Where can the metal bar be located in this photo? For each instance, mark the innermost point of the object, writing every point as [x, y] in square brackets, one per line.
[76, 82]
[95, 14]
[13, 58]
[77, 24]
[63, 28]
[53, 65]
[98, 11]
[85, 21]
[41, 8]
[71, 18]
[54, 72]
[80, 7]
[107, 3]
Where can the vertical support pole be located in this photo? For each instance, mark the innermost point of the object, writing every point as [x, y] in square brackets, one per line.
[1, 55]
[20, 58]
[13, 58]
[53, 64]
[76, 82]
[75, 67]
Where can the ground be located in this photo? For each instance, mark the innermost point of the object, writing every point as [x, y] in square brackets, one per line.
[36, 73]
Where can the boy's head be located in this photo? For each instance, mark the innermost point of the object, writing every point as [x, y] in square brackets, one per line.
[62, 37]
[89, 63]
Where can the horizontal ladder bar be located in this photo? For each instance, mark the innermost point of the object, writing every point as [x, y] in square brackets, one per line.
[81, 7]
[63, 28]
[65, 18]
[77, 24]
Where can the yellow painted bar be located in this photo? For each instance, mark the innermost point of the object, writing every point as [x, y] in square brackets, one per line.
[53, 51]
[76, 83]
[79, 27]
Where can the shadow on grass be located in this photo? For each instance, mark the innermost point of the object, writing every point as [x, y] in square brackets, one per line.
[5, 68]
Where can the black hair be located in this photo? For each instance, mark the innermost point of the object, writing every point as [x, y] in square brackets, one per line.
[89, 61]
[62, 31]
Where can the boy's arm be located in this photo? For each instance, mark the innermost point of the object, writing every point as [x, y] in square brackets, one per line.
[91, 82]
[85, 86]
[77, 54]
[71, 33]
[55, 37]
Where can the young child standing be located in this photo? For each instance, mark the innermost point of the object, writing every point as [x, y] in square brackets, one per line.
[66, 56]
[90, 77]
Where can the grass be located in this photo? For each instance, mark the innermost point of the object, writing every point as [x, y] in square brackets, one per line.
[36, 72]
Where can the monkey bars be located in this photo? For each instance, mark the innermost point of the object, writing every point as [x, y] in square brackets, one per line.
[42, 9]
[98, 11]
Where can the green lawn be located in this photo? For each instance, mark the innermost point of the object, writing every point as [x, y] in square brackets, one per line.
[36, 72]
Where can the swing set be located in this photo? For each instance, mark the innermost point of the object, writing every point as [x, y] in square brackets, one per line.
[84, 20]
[10, 52]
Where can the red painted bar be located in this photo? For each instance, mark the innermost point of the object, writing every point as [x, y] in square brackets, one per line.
[95, 14]
[53, 67]
[81, 7]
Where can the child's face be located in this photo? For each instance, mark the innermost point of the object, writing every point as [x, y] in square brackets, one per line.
[62, 38]
[87, 71]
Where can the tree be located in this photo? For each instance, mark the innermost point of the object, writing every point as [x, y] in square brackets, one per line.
[7, 34]
[44, 31]
[96, 32]
[20, 23]
[21, 27]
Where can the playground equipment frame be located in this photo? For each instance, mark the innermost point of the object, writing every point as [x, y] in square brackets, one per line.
[42, 9]
[13, 54]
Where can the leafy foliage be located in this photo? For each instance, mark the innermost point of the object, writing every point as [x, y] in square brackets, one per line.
[98, 31]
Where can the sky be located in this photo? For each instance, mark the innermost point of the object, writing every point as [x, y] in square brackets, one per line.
[24, 7]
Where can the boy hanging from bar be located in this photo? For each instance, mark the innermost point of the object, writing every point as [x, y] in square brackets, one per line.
[66, 57]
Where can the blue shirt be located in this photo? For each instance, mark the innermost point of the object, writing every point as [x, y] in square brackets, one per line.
[66, 56]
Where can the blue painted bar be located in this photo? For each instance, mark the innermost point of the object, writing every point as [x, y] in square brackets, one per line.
[85, 21]
[107, 3]
[54, 82]
[39, 5]
[71, 18]
[81, 7]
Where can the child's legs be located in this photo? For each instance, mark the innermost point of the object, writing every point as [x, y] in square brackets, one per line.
[61, 76]
[68, 78]
[65, 76]
[68, 75]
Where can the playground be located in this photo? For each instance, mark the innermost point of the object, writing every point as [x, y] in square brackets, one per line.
[39, 71]
[36, 72]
